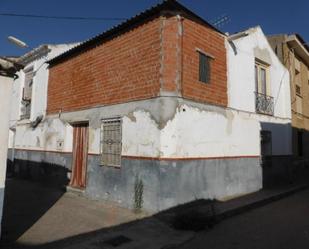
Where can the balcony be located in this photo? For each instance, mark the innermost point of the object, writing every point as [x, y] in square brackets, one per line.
[264, 104]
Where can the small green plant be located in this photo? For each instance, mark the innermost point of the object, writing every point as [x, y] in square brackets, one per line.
[138, 194]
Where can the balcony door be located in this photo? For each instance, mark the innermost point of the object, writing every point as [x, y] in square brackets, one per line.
[264, 100]
[262, 78]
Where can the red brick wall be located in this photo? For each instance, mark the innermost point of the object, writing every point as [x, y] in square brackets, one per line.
[122, 69]
[171, 55]
[197, 36]
[140, 63]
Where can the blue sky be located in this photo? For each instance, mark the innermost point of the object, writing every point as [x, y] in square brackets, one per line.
[273, 16]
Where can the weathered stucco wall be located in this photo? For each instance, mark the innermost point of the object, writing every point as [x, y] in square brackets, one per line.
[242, 53]
[47, 136]
[5, 102]
[39, 86]
[163, 127]
[20, 129]
[209, 151]
[241, 75]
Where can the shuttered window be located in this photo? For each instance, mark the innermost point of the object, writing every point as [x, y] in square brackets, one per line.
[204, 68]
[111, 142]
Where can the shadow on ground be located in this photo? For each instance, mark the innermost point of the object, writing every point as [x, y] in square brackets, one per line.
[24, 204]
[167, 229]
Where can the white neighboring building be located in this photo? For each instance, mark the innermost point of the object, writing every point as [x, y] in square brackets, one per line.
[259, 85]
[7, 74]
[29, 100]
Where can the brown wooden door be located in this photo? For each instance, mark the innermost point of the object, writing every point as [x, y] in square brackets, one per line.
[80, 155]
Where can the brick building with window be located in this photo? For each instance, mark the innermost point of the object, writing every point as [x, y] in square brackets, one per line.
[147, 105]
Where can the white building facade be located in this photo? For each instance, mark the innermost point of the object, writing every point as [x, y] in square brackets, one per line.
[258, 86]
[7, 75]
[29, 129]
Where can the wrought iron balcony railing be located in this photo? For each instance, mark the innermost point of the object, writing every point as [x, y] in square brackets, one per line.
[264, 104]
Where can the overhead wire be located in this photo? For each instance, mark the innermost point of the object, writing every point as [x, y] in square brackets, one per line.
[78, 18]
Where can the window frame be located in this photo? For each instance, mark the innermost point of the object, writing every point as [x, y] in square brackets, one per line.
[209, 59]
[258, 67]
[103, 122]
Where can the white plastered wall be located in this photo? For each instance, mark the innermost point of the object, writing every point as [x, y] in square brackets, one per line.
[5, 93]
[241, 86]
[191, 133]
[22, 135]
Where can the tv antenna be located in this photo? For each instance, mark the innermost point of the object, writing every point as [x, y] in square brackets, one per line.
[221, 21]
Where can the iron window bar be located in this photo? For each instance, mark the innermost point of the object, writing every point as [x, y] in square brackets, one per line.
[264, 104]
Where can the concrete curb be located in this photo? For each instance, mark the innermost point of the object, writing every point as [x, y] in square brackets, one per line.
[240, 209]
[224, 214]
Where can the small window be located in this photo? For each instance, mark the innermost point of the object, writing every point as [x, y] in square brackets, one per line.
[111, 142]
[204, 68]
[27, 94]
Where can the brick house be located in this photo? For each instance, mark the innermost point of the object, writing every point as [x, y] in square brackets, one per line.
[144, 114]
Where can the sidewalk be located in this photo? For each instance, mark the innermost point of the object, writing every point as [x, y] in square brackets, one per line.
[71, 221]
[38, 216]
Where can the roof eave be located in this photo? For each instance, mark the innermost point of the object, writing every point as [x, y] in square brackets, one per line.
[299, 47]
[150, 13]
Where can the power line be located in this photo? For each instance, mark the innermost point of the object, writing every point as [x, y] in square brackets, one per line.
[64, 17]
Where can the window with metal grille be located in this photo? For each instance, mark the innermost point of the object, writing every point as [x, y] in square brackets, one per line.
[111, 142]
[204, 68]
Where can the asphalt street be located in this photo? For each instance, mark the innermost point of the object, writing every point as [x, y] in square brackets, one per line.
[282, 224]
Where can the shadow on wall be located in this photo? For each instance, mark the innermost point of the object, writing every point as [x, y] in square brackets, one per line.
[24, 204]
[50, 174]
[301, 143]
[278, 164]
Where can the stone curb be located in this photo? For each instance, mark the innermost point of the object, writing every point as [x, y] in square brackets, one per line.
[224, 214]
